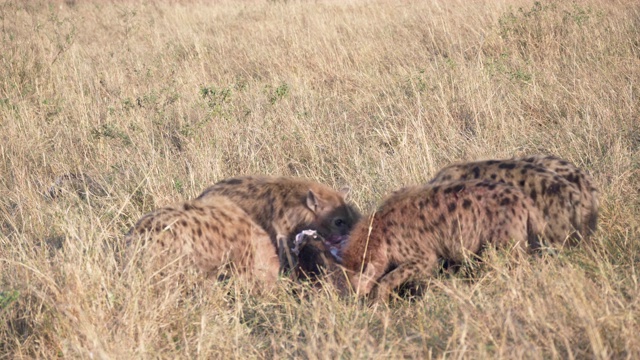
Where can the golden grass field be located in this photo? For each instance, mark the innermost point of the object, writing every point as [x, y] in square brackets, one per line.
[154, 101]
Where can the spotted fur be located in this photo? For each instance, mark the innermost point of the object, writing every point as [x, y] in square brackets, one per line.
[558, 199]
[417, 227]
[214, 234]
[581, 181]
[283, 206]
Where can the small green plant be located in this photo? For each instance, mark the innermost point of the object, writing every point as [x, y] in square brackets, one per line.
[578, 15]
[217, 99]
[215, 96]
[6, 102]
[110, 131]
[520, 75]
[240, 84]
[279, 93]
[7, 298]
[150, 100]
[417, 84]
[421, 81]
[503, 66]
[525, 23]
[177, 184]
[127, 104]
[63, 34]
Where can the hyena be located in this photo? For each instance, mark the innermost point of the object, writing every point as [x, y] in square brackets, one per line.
[284, 206]
[416, 227]
[558, 199]
[213, 233]
[579, 179]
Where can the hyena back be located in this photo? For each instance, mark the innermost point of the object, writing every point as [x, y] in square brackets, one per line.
[558, 200]
[283, 206]
[580, 180]
[416, 227]
[215, 234]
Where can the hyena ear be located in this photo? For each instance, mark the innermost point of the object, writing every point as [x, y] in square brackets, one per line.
[312, 201]
[345, 192]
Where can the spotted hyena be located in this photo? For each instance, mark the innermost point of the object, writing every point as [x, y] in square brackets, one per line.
[213, 233]
[417, 227]
[579, 179]
[558, 199]
[283, 206]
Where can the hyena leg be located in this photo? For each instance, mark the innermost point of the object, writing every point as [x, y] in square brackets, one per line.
[412, 270]
[286, 261]
[284, 247]
[266, 264]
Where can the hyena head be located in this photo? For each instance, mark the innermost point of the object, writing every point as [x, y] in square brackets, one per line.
[313, 255]
[315, 260]
[333, 216]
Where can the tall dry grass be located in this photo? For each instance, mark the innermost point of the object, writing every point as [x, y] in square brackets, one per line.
[153, 101]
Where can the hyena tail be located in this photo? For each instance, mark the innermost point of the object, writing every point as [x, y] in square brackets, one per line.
[592, 221]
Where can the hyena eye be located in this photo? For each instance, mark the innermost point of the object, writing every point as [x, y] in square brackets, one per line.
[339, 222]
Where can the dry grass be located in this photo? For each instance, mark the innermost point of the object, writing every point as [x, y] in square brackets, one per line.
[156, 100]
